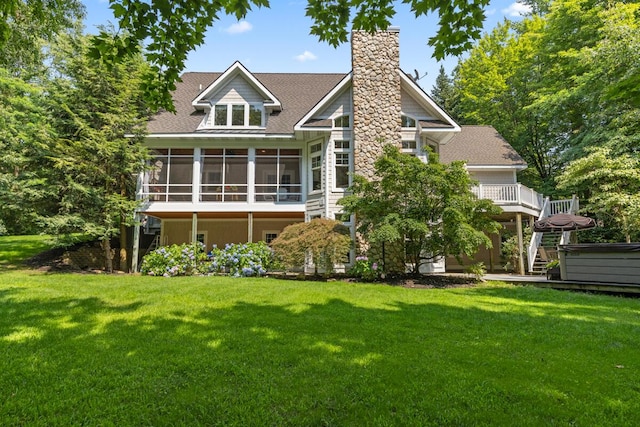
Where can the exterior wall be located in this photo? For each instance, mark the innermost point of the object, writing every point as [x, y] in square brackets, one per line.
[218, 232]
[342, 105]
[494, 177]
[175, 232]
[237, 90]
[376, 96]
[412, 108]
[273, 225]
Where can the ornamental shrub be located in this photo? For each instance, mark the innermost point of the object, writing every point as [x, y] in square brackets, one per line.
[176, 260]
[365, 269]
[241, 259]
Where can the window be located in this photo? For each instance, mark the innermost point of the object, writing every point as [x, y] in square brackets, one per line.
[343, 217]
[410, 147]
[342, 145]
[316, 166]
[278, 175]
[220, 115]
[223, 175]
[171, 176]
[341, 122]
[269, 236]
[342, 165]
[255, 115]
[408, 122]
[237, 115]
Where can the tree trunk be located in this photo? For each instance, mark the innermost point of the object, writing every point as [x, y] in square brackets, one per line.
[124, 247]
[106, 246]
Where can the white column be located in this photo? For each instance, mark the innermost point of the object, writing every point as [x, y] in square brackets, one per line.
[251, 175]
[520, 244]
[195, 188]
[136, 242]
[194, 227]
[250, 227]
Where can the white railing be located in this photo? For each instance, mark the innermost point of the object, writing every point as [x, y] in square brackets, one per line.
[536, 238]
[551, 208]
[509, 194]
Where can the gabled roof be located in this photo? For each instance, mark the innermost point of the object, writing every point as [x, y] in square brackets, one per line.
[237, 69]
[481, 146]
[286, 87]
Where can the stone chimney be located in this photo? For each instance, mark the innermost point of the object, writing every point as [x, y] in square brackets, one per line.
[375, 60]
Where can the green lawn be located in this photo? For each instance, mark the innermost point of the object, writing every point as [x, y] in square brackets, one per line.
[130, 350]
[15, 249]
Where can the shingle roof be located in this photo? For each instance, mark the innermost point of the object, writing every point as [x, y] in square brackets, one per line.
[298, 92]
[480, 146]
[434, 124]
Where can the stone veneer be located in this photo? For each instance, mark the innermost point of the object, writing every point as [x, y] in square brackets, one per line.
[375, 62]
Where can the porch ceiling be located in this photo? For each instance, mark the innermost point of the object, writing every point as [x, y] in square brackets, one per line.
[214, 215]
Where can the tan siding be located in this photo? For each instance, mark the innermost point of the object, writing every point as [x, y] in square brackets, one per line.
[342, 105]
[262, 225]
[175, 232]
[494, 177]
[237, 90]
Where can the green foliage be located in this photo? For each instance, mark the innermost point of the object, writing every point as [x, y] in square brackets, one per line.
[445, 94]
[477, 270]
[242, 259]
[25, 139]
[428, 208]
[557, 83]
[509, 248]
[26, 27]
[186, 259]
[610, 185]
[170, 30]
[97, 155]
[365, 269]
[326, 241]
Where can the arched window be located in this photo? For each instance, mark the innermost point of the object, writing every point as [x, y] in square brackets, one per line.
[342, 121]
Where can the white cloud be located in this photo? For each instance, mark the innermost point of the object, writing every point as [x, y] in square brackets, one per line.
[517, 10]
[306, 56]
[239, 27]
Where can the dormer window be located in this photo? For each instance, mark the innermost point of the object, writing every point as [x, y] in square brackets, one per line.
[238, 115]
[408, 122]
[342, 122]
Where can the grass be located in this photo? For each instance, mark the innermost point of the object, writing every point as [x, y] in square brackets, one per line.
[83, 349]
[130, 350]
[16, 249]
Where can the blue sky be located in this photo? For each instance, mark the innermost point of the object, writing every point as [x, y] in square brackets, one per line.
[277, 40]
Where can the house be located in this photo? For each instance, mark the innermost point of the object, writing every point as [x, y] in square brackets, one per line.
[247, 154]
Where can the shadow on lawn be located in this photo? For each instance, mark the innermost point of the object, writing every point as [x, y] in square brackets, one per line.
[83, 361]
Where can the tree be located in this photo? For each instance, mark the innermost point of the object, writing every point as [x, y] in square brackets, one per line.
[173, 29]
[25, 138]
[27, 26]
[99, 118]
[427, 208]
[610, 185]
[327, 242]
[444, 93]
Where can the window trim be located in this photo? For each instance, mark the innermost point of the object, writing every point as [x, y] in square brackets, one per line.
[246, 115]
[341, 151]
[314, 154]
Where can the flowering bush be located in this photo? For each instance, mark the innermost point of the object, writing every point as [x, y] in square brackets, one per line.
[176, 260]
[365, 269]
[241, 260]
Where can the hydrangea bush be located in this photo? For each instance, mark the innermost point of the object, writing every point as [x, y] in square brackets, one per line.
[365, 269]
[176, 260]
[242, 259]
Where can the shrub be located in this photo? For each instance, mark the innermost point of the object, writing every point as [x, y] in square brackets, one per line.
[365, 269]
[176, 260]
[242, 260]
[477, 270]
[325, 240]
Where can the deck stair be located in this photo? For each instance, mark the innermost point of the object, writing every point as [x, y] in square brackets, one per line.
[544, 246]
[547, 251]
[154, 244]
